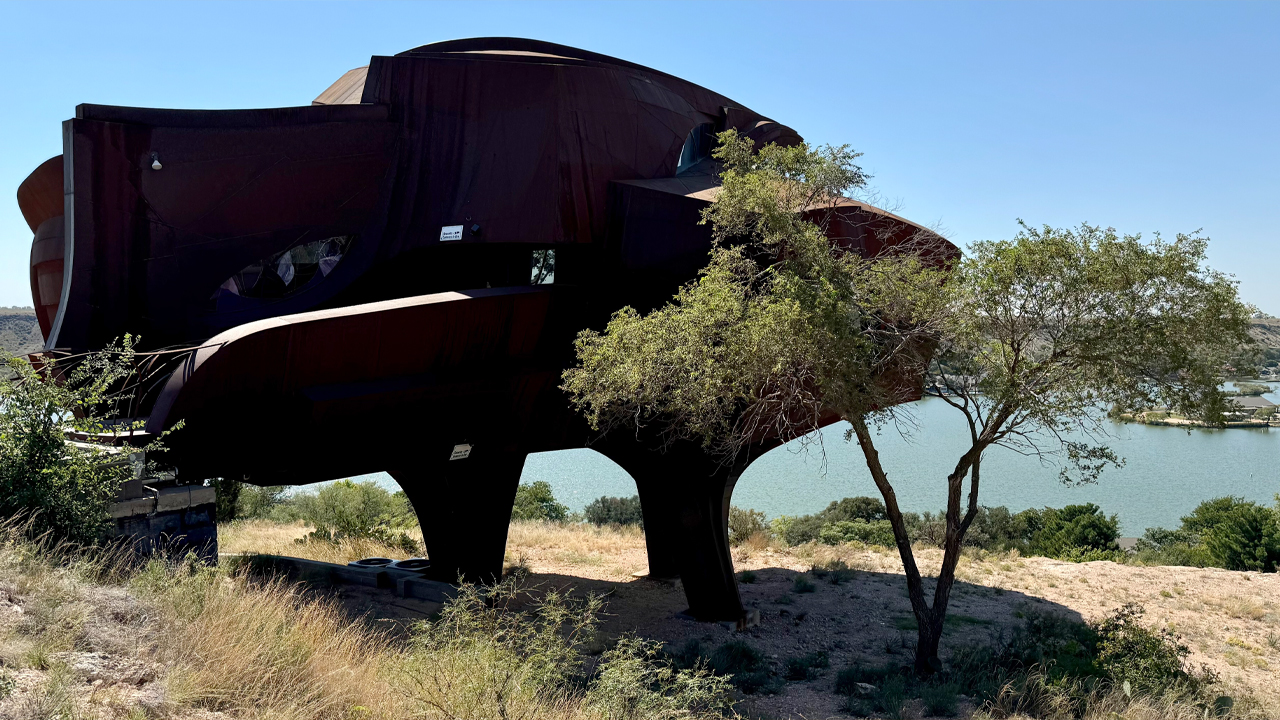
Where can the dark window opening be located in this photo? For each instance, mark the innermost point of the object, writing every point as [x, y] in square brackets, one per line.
[283, 274]
[697, 147]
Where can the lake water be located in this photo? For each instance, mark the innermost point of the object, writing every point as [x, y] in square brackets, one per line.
[1168, 471]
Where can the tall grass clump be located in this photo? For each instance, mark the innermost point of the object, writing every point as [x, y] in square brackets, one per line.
[497, 653]
[262, 648]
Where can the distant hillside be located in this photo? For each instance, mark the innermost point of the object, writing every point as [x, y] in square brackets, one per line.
[1266, 331]
[19, 331]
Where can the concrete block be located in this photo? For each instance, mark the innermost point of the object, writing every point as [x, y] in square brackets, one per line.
[429, 590]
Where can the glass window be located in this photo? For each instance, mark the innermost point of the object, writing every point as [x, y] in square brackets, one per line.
[543, 267]
[284, 273]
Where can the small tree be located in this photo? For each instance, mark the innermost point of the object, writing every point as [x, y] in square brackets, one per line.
[536, 501]
[1032, 339]
[64, 488]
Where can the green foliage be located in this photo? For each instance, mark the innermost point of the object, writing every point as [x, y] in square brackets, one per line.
[65, 489]
[835, 571]
[1159, 546]
[802, 584]
[1226, 532]
[796, 530]
[1128, 652]
[941, 700]
[743, 524]
[490, 651]
[535, 501]
[347, 509]
[636, 681]
[1247, 537]
[227, 492]
[746, 667]
[853, 509]
[614, 511]
[1030, 338]
[879, 532]
[1210, 514]
[1050, 666]
[261, 503]
[808, 528]
[483, 652]
[1251, 389]
[805, 667]
[1073, 531]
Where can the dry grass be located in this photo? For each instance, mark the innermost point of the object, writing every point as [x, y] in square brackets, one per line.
[83, 638]
[80, 639]
[270, 538]
[613, 553]
[267, 651]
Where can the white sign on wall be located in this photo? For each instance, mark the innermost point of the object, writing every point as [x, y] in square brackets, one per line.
[460, 452]
[450, 232]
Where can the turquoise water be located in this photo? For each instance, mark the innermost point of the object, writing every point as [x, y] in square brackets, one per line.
[1168, 471]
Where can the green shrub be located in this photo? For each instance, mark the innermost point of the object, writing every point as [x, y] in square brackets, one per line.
[835, 571]
[1080, 555]
[614, 511]
[745, 523]
[535, 501]
[996, 529]
[1209, 514]
[847, 680]
[805, 667]
[745, 666]
[747, 576]
[489, 655]
[1074, 529]
[347, 509]
[636, 681]
[792, 530]
[1246, 538]
[866, 509]
[64, 489]
[260, 503]
[1149, 660]
[802, 584]
[1159, 546]
[941, 700]
[879, 532]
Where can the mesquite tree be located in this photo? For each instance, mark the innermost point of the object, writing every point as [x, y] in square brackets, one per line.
[1034, 340]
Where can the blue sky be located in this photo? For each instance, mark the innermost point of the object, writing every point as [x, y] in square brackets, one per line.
[1146, 117]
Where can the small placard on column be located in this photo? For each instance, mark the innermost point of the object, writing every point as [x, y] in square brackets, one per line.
[460, 452]
[449, 233]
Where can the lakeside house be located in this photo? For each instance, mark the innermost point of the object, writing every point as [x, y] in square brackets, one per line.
[1253, 403]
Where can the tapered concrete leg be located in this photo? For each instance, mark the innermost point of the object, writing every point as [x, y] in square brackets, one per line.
[685, 500]
[464, 507]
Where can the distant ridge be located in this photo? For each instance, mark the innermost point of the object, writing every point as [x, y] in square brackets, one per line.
[19, 331]
[1266, 331]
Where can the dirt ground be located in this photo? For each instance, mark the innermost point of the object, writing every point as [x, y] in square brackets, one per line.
[1230, 620]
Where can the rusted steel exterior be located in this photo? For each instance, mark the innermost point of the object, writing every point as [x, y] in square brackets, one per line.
[355, 276]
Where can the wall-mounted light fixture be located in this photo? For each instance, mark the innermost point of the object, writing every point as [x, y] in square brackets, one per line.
[155, 161]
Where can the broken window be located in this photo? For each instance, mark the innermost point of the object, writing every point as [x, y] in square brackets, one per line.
[284, 273]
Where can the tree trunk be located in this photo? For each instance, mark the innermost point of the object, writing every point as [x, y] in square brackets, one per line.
[927, 639]
[929, 620]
